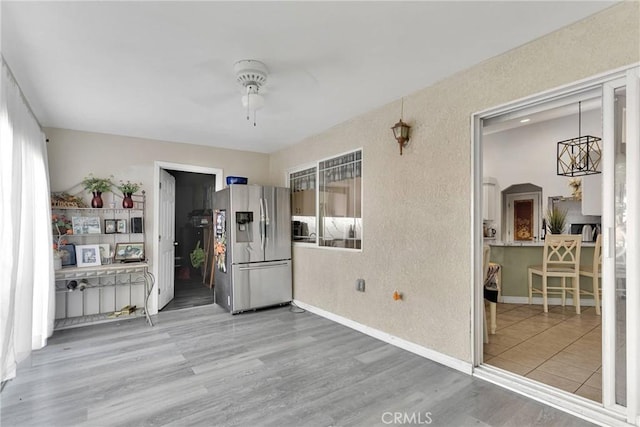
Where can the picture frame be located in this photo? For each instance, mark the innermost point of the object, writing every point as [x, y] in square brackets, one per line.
[88, 255]
[67, 254]
[121, 226]
[110, 226]
[136, 225]
[129, 252]
[105, 253]
[86, 225]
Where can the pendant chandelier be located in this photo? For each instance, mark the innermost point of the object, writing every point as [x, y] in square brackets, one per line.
[579, 156]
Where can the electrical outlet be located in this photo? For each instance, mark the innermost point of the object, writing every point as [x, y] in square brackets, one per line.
[360, 285]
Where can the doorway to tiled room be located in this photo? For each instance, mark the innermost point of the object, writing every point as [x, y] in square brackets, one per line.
[568, 348]
[559, 348]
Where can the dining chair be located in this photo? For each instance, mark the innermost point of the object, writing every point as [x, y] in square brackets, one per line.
[595, 272]
[486, 250]
[560, 259]
[491, 289]
[492, 292]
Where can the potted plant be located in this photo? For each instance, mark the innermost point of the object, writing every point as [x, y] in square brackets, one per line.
[127, 189]
[556, 219]
[197, 256]
[97, 186]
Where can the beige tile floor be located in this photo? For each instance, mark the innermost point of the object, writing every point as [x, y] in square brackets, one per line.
[558, 348]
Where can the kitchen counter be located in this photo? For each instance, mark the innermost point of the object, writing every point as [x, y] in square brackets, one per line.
[515, 259]
[304, 239]
[539, 243]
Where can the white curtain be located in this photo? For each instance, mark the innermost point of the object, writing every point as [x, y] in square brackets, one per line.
[27, 303]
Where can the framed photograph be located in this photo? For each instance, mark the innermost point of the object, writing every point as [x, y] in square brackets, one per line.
[67, 254]
[85, 224]
[122, 226]
[105, 253]
[129, 251]
[110, 226]
[88, 255]
[136, 225]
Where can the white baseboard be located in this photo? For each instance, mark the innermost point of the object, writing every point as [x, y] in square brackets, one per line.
[551, 301]
[427, 353]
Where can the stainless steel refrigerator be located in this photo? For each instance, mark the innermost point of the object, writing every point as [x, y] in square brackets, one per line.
[253, 247]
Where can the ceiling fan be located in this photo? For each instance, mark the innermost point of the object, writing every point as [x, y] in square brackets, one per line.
[255, 84]
[252, 76]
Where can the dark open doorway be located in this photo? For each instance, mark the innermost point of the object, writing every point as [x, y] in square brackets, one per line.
[193, 216]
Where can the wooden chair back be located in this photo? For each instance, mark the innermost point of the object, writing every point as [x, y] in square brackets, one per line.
[562, 251]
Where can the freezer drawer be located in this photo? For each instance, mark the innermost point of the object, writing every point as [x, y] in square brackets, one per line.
[261, 284]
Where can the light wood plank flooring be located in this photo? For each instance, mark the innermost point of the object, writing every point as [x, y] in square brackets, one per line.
[202, 366]
[558, 348]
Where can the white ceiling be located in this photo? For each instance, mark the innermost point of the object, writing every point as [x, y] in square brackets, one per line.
[164, 70]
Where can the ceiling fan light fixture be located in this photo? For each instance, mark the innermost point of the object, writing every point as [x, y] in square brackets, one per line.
[253, 101]
[251, 75]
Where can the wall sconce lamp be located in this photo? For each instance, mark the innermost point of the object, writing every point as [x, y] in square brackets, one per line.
[579, 156]
[401, 130]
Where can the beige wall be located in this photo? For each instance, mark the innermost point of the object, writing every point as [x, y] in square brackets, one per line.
[417, 225]
[74, 154]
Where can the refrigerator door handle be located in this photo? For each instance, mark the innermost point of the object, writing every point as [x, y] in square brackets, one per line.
[266, 224]
[262, 267]
[262, 227]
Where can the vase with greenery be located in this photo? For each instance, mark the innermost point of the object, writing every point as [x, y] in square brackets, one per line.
[127, 189]
[556, 220]
[97, 186]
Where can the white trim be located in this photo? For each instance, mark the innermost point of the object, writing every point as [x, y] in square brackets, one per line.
[608, 253]
[556, 398]
[552, 301]
[157, 165]
[633, 244]
[477, 290]
[580, 86]
[427, 353]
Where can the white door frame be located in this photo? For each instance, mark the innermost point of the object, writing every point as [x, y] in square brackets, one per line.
[153, 301]
[593, 411]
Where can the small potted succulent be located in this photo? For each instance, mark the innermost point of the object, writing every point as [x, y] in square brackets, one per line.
[97, 186]
[556, 219]
[128, 189]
